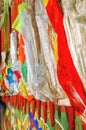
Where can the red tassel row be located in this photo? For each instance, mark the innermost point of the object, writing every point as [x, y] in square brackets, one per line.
[52, 112]
[38, 102]
[22, 103]
[44, 104]
[33, 107]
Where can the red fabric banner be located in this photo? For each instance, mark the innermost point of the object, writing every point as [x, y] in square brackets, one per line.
[66, 71]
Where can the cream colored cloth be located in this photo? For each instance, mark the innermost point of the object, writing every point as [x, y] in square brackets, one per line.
[41, 62]
[75, 27]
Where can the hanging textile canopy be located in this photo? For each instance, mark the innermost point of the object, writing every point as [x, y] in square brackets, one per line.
[37, 60]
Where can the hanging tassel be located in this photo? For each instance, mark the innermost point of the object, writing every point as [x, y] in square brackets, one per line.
[45, 110]
[22, 104]
[71, 117]
[5, 99]
[10, 100]
[52, 112]
[38, 103]
[19, 100]
[28, 107]
[30, 98]
[33, 107]
[84, 125]
[25, 104]
[14, 101]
